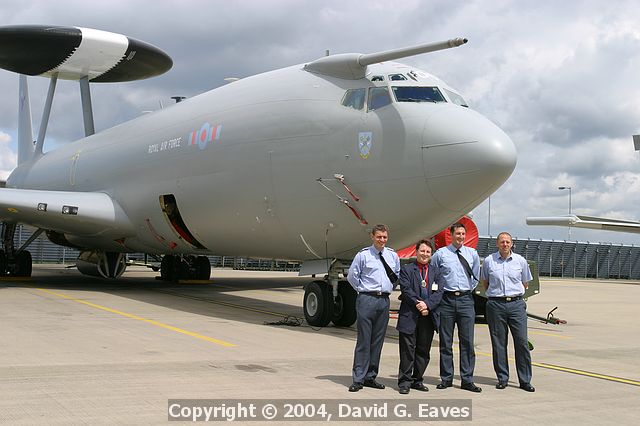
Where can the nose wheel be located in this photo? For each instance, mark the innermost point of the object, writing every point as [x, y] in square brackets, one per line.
[321, 307]
[344, 307]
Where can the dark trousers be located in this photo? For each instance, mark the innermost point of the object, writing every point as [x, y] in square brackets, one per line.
[503, 316]
[460, 311]
[373, 318]
[415, 351]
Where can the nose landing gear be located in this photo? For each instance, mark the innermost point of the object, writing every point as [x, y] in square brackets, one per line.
[330, 300]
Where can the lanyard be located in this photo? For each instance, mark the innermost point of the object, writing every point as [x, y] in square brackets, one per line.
[423, 282]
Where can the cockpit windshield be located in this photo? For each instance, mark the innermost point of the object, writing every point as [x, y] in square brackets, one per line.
[456, 98]
[417, 94]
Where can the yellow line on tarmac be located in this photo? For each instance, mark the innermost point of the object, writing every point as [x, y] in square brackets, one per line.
[539, 332]
[219, 302]
[135, 317]
[550, 334]
[587, 373]
[573, 371]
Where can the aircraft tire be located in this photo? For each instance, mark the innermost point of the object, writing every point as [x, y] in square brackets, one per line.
[24, 264]
[203, 268]
[344, 309]
[182, 268]
[167, 270]
[480, 305]
[318, 304]
[3, 263]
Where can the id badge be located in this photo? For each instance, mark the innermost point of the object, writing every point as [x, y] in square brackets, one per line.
[434, 287]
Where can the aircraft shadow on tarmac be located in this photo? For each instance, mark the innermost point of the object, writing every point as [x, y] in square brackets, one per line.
[220, 299]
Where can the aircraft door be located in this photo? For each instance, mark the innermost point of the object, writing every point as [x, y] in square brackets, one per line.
[169, 207]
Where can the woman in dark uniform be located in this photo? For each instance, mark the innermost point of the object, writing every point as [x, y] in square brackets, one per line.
[418, 318]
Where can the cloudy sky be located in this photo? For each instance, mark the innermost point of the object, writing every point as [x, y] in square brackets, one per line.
[561, 78]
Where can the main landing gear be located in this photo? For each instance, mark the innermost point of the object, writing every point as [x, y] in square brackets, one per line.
[14, 262]
[330, 300]
[175, 268]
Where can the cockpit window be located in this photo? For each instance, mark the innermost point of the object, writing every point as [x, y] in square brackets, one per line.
[417, 94]
[456, 99]
[397, 77]
[354, 98]
[378, 97]
[377, 78]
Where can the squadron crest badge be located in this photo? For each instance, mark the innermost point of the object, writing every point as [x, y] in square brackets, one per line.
[364, 143]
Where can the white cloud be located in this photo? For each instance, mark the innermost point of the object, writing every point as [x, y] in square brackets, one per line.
[8, 157]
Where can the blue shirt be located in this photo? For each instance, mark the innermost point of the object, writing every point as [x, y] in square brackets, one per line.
[505, 276]
[367, 272]
[449, 272]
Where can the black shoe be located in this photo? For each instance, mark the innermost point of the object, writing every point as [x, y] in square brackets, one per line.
[471, 387]
[444, 385]
[527, 387]
[404, 391]
[501, 385]
[373, 384]
[355, 387]
[420, 386]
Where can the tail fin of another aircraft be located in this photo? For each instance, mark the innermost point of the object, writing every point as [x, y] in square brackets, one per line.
[25, 132]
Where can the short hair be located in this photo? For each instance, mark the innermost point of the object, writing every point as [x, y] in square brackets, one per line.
[379, 228]
[456, 226]
[423, 241]
[504, 233]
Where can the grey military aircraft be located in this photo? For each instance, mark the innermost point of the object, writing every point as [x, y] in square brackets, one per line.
[589, 222]
[296, 163]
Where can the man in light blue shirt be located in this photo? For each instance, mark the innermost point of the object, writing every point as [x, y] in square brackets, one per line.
[456, 268]
[505, 276]
[372, 274]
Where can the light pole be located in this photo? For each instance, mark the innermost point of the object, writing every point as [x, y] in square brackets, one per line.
[561, 188]
[489, 220]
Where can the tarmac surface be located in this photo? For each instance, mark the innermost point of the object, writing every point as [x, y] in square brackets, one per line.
[82, 350]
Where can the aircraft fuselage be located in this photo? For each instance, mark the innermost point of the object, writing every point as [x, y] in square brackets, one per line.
[252, 167]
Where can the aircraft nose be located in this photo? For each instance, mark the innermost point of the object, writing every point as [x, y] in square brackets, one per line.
[465, 157]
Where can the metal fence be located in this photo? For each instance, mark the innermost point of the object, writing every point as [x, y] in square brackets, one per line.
[44, 251]
[573, 258]
[554, 258]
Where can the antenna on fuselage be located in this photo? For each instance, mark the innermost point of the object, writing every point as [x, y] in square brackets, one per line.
[25, 132]
[46, 113]
[87, 110]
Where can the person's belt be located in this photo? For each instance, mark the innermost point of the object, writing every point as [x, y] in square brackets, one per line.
[375, 293]
[457, 293]
[507, 298]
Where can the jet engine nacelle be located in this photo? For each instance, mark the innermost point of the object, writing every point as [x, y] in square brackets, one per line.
[101, 264]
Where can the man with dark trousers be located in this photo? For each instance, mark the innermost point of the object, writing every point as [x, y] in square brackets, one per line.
[418, 319]
[505, 276]
[456, 269]
[372, 274]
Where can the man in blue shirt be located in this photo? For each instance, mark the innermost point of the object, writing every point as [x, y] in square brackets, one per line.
[456, 268]
[372, 274]
[505, 276]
